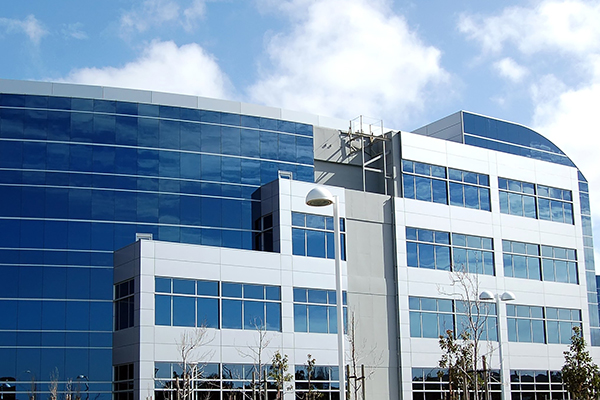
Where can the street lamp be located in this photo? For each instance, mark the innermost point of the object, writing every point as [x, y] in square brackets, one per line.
[321, 197]
[486, 295]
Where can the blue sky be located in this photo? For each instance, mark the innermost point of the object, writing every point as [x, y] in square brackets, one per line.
[409, 63]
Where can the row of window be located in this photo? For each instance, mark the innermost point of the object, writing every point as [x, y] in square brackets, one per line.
[535, 201]
[80, 236]
[443, 185]
[432, 318]
[312, 236]
[437, 184]
[547, 263]
[101, 107]
[216, 304]
[444, 251]
[237, 381]
[533, 324]
[227, 305]
[433, 383]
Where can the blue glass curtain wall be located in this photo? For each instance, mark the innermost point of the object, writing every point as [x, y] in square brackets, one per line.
[80, 177]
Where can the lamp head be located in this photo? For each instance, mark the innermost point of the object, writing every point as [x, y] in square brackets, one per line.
[508, 296]
[319, 197]
[486, 295]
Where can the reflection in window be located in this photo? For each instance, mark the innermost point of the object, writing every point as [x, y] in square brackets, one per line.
[312, 236]
[433, 383]
[323, 380]
[548, 263]
[443, 185]
[123, 382]
[534, 324]
[124, 305]
[535, 201]
[531, 384]
[226, 305]
[263, 238]
[444, 251]
[315, 310]
[431, 318]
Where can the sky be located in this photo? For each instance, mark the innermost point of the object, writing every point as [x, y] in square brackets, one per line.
[408, 63]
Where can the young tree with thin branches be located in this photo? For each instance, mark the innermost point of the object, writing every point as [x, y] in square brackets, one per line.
[189, 347]
[580, 374]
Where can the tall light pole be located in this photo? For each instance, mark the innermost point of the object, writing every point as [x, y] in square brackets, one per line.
[486, 295]
[321, 197]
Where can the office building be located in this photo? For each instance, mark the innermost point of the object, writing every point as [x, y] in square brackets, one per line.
[129, 218]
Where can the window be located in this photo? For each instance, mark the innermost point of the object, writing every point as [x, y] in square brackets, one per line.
[315, 310]
[226, 305]
[312, 236]
[533, 324]
[213, 380]
[206, 381]
[548, 263]
[535, 201]
[431, 318]
[123, 382]
[124, 305]
[263, 239]
[433, 383]
[444, 251]
[526, 385]
[443, 185]
[323, 379]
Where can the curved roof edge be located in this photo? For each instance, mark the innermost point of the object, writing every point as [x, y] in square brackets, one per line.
[42, 88]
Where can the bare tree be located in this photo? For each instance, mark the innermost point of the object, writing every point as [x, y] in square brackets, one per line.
[256, 353]
[473, 314]
[69, 390]
[190, 349]
[358, 353]
[53, 385]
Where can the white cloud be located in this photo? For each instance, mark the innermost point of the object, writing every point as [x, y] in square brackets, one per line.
[508, 68]
[570, 120]
[365, 61]
[151, 13]
[163, 66]
[570, 27]
[193, 13]
[74, 31]
[30, 26]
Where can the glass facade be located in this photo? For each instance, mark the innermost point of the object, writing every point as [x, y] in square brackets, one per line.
[80, 177]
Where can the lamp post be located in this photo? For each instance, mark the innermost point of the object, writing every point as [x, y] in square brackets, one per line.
[321, 197]
[486, 295]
